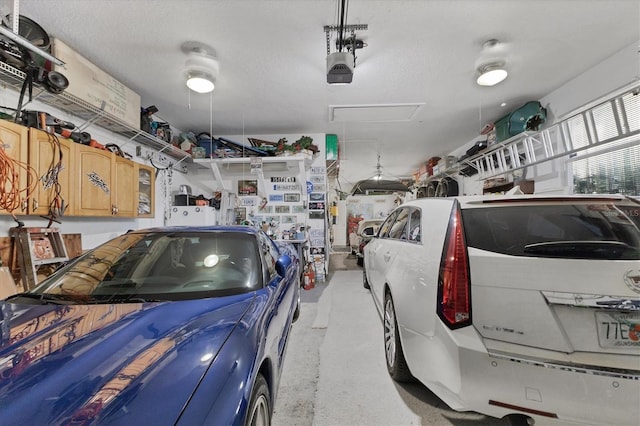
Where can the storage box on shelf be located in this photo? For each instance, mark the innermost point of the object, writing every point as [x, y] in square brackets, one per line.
[13, 78]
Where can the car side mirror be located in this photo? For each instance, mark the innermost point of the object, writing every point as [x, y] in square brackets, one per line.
[368, 231]
[282, 264]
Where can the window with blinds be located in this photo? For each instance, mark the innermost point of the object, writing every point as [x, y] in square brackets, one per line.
[612, 172]
[613, 168]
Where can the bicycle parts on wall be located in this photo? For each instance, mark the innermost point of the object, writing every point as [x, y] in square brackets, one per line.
[445, 187]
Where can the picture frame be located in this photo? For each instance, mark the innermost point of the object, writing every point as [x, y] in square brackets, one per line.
[292, 197]
[283, 209]
[288, 219]
[247, 187]
[241, 214]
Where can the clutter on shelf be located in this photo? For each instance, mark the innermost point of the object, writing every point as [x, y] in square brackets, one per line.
[281, 147]
[206, 146]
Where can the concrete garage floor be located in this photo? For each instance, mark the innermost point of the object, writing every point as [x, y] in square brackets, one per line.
[335, 373]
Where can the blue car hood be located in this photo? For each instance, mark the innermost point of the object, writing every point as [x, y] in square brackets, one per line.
[76, 364]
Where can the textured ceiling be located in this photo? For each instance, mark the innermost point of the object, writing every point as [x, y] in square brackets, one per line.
[272, 53]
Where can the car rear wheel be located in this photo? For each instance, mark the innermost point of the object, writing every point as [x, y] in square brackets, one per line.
[365, 281]
[396, 364]
[359, 261]
[259, 413]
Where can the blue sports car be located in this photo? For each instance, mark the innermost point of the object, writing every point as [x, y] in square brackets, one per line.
[163, 326]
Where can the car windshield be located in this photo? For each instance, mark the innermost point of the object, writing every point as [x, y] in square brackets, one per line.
[139, 267]
[570, 230]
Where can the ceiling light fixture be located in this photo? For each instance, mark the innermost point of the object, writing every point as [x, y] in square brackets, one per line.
[201, 67]
[200, 82]
[491, 74]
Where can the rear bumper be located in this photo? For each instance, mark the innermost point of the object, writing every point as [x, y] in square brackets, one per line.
[499, 384]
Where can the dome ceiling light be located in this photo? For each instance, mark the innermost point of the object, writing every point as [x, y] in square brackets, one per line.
[200, 82]
[491, 74]
[201, 67]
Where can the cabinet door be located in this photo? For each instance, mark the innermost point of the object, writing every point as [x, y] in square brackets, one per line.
[95, 177]
[52, 158]
[146, 190]
[125, 184]
[13, 138]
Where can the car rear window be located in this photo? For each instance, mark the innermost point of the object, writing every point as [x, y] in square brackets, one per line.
[572, 231]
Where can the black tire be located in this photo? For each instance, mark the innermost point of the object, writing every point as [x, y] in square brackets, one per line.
[431, 189]
[447, 187]
[259, 411]
[365, 281]
[360, 261]
[421, 192]
[394, 355]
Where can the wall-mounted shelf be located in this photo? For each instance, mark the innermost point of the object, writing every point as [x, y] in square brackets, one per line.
[14, 78]
[614, 120]
[249, 167]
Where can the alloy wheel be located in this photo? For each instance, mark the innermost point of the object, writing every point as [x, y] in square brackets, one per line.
[390, 332]
[260, 412]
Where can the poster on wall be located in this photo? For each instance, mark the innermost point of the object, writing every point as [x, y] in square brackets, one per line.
[288, 219]
[292, 198]
[248, 201]
[316, 196]
[298, 209]
[241, 214]
[286, 187]
[248, 187]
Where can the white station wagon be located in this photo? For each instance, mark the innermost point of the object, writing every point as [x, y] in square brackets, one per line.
[518, 306]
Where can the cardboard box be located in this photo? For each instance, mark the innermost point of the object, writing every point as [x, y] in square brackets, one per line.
[90, 84]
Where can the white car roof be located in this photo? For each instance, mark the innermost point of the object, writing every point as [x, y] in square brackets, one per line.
[474, 201]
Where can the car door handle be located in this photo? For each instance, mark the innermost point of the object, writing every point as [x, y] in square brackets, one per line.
[387, 256]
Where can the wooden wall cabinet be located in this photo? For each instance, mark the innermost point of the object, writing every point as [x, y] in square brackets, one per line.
[125, 184]
[145, 201]
[110, 185]
[95, 177]
[51, 193]
[13, 138]
[91, 181]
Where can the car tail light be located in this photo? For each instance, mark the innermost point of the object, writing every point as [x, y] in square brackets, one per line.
[454, 285]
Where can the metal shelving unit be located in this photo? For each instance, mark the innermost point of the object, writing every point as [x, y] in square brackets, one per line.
[14, 78]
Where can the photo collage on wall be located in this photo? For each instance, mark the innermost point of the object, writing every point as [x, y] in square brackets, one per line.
[316, 188]
[281, 213]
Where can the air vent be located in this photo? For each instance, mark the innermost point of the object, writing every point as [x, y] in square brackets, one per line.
[374, 113]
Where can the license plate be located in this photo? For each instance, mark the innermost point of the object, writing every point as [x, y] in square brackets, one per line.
[618, 329]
